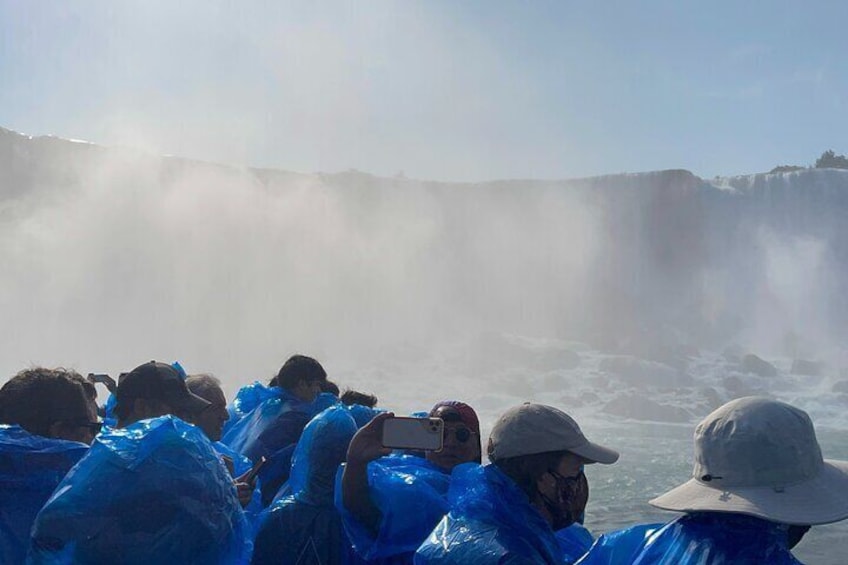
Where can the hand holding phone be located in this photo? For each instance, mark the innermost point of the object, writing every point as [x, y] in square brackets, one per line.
[417, 434]
[103, 379]
[250, 476]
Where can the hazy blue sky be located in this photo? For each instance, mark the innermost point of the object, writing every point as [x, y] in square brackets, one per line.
[438, 90]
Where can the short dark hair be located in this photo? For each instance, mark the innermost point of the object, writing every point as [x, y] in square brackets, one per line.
[330, 386]
[296, 369]
[350, 397]
[525, 470]
[37, 398]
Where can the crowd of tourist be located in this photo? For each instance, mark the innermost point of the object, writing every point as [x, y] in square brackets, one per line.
[298, 472]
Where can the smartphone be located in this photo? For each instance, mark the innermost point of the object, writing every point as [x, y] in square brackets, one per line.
[251, 475]
[229, 464]
[103, 379]
[419, 434]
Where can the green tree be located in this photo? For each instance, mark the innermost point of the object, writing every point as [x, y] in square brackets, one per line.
[830, 160]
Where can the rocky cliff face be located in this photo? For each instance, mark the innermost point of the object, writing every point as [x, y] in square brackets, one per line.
[96, 236]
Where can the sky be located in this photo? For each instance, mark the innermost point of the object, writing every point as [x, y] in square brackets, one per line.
[437, 90]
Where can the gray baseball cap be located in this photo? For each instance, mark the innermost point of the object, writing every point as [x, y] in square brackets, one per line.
[536, 428]
[760, 457]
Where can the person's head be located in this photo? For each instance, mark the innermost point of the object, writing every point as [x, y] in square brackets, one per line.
[350, 397]
[760, 457]
[155, 389]
[461, 442]
[330, 387]
[55, 403]
[543, 450]
[302, 376]
[212, 419]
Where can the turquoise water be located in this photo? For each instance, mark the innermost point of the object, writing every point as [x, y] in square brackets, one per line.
[657, 457]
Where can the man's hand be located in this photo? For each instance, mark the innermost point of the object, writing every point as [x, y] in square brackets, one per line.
[245, 485]
[367, 444]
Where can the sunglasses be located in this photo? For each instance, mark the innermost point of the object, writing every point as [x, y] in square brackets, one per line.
[93, 427]
[567, 483]
[461, 434]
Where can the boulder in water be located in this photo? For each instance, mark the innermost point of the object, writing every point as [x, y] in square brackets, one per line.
[753, 364]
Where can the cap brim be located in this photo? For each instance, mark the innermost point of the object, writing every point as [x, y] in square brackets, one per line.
[594, 453]
[821, 500]
[195, 404]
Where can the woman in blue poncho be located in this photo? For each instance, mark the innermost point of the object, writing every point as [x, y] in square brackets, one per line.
[266, 421]
[758, 484]
[389, 504]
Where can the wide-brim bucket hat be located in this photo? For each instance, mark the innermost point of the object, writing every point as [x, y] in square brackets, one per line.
[760, 457]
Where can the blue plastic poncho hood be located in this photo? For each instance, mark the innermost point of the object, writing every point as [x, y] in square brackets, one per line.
[411, 494]
[306, 522]
[31, 467]
[708, 538]
[491, 521]
[153, 492]
[320, 451]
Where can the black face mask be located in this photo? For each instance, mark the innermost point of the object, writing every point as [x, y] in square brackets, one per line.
[562, 509]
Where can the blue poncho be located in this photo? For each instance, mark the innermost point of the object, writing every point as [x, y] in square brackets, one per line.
[574, 541]
[305, 526]
[153, 492]
[491, 521]
[267, 422]
[31, 467]
[706, 538]
[411, 494]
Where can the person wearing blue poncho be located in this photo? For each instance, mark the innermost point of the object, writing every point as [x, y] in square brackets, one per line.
[48, 418]
[304, 527]
[389, 504]
[507, 512]
[266, 421]
[152, 491]
[759, 482]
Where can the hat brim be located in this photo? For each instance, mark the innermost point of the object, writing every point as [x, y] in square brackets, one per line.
[194, 404]
[821, 500]
[594, 453]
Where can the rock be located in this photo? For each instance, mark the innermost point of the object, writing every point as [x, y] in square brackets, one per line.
[805, 367]
[753, 364]
[640, 408]
[840, 386]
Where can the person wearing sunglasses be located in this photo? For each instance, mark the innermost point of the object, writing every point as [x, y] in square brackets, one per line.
[48, 419]
[389, 502]
[509, 511]
[162, 494]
